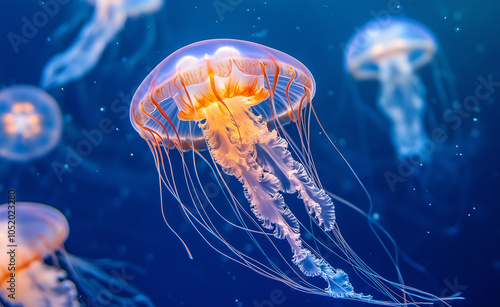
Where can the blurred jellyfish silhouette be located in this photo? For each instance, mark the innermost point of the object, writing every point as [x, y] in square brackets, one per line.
[32, 272]
[30, 123]
[108, 20]
[391, 51]
[32, 144]
[219, 107]
[403, 55]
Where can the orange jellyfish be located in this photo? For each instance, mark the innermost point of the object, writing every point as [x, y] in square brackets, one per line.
[221, 105]
[30, 123]
[33, 235]
[109, 19]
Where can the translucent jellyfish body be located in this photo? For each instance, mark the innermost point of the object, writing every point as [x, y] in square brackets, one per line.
[35, 231]
[30, 123]
[108, 19]
[217, 109]
[391, 51]
[30, 275]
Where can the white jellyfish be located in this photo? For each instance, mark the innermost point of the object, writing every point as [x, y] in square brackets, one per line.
[391, 51]
[108, 19]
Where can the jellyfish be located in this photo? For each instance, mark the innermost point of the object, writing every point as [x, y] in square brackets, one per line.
[31, 274]
[30, 123]
[391, 51]
[108, 19]
[220, 107]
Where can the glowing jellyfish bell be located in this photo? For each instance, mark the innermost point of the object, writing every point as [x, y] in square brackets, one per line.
[37, 232]
[233, 98]
[30, 123]
[108, 20]
[391, 51]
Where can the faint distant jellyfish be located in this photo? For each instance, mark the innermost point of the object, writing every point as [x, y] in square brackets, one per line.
[34, 233]
[108, 20]
[226, 102]
[30, 123]
[391, 52]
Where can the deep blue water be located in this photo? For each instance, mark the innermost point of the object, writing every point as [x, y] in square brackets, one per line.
[444, 215]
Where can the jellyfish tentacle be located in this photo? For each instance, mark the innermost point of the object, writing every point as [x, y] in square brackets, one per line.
[275, 157]
[108, 20]
[39, 283]
[263, 188]
[86, 51]
[92, 277]
[278, 159]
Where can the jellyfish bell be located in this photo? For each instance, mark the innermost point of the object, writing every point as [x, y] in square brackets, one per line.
[236, 76]
[32, 143]
[36, 234]
[391, 52]
[224, 103]
[30, 123]
[375, 46]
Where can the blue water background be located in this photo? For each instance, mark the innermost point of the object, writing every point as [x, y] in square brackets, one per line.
[446, 217]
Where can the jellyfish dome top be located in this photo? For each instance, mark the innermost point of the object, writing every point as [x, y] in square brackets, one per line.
[34, 234]
[231, 99]
[30, 123]
[391, 51]
[44, 230]
[372, 48]
[227, 78]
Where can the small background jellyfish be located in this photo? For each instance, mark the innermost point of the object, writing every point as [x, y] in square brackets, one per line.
[415, 94]
[108, 19]
[402, 55]
[95, 128]
[31, 128]
[37, 141]
[40, 269]
[391, 52]
[30, 123]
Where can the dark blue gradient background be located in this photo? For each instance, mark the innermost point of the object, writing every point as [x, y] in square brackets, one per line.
[112, 201]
